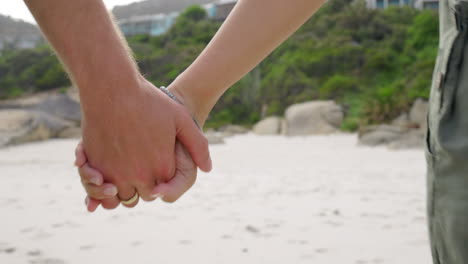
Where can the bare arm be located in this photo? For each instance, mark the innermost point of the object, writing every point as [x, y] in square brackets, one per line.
[252, 31]
[84, 37]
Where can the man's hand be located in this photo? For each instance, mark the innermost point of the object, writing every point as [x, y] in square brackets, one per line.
[131, 141]
[105, 193]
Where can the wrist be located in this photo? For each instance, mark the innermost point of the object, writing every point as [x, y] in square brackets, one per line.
[197, 106]
[105, 95]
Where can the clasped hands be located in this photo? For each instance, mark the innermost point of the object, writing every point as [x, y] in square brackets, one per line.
[143, 144]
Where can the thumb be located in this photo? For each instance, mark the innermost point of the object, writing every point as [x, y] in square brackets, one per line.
[195, 142]
[183, 180]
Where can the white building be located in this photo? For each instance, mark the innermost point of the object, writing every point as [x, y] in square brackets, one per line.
[426, 4]
[154, 25]
[419, 4]
[159, 24]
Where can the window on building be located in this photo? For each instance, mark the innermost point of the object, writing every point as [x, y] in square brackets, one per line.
[393, 2]
[380, 4]
[406, 2]
[431, 5]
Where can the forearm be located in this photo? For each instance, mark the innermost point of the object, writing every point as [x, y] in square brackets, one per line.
[252, 31]
[87, 42]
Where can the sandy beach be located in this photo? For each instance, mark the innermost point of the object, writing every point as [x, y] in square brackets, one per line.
[270, 199]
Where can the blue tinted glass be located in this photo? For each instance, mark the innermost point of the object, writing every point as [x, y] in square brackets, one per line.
[380, 4]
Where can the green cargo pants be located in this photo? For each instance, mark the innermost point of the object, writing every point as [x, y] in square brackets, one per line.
[447, 139]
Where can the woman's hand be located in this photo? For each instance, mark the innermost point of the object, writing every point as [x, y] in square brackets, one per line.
[105, 194]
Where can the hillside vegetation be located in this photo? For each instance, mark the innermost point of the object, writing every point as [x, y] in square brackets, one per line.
[150, 7]
[373, 62]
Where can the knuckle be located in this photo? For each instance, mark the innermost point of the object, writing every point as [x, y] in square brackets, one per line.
[164, 171]
[95, 193]
[147, 198]
[85, 173]
[110, 204]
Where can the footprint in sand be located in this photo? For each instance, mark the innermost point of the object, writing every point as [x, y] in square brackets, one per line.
[252, 229]
[57, 225]
[387, 226]
[86, 247]
[136, 243]
[373, 261]
[9, 250]
[226, 237]
[72, 224]
[47, 261]
[360, 261]
[34, 253]
[273, 225]
[185, 242]
[321, 250]
[333, 223]
[298, 242]
[27, 230]
[307, 257]
[42, 235]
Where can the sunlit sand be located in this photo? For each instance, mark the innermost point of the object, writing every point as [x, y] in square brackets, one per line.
[319, 199]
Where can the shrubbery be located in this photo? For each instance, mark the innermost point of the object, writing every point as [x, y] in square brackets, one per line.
[374, 62]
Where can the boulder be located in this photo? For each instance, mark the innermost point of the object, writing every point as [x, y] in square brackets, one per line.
[231, 130]
[269, 126]
[394, 136]
[312, 118]
[380, 134]
[412, 139]
[402, 120]
[71, 132]
[214, 138]
[22, 126]
[60, 105]
[418, 113]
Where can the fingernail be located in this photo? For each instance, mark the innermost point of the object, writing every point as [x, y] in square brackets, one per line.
[95, 180]
[110, 190]
[157, 195]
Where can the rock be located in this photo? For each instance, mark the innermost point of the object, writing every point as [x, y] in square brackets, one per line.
[412, 139]
[311, 118]
[71, 132]
[380, 134]
[21, 126]
[284, 127]
[402, 120]
[231, 130]
[214, 138]
[418, 113]
[269, 126]
[395, 137]
[61, 105]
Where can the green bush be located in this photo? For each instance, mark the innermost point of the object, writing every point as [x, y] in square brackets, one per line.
[374, 62]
